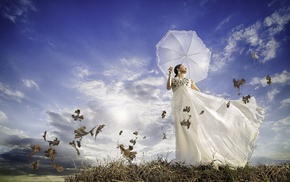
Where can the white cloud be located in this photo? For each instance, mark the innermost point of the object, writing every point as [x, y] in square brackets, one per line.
[277, 21]
[259, 37]
[8, 131]
[95, 89]
[2, 116]
[30, 83]
[280, 79]
[6, 92]
[128, 69]
[271, 94]
[82, 72]
[282, 124]
[285, 102]
[223, 23]
[268, 50]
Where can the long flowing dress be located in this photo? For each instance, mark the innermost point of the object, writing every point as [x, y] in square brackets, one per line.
[209, 131]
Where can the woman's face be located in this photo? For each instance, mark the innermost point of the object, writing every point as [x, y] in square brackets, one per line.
[182, 69]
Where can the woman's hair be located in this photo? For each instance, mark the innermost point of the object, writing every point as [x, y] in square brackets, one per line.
[175, 69]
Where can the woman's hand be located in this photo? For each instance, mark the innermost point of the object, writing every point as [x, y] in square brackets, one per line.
[169, 78]
[170, 70]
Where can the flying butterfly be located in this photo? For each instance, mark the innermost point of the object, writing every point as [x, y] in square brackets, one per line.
[73, 144]
[35, 148]
[133, 141]
[77, 116]
[50, 153]
[268, 78]
[246, 99]
[54, 142]
[238, 83]
[163, 114]
[128, 153]
[99, 129]
[81, 131]
[164, 136]
[79, 143]
[59, 168]
[44, 136]
[35, 164]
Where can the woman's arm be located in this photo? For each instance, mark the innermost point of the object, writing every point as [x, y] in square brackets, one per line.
[194, 87]
[169, 79]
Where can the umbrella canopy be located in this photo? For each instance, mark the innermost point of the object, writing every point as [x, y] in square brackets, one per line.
[184, 47]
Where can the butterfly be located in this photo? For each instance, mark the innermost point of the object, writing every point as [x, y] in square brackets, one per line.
[77, 116]
[133, 141]
[50, 153]
[79, 143]
[120, 133]
[246, 99]
[54, 142]
[81, 131]
[186, 109]
[73, 144]
[163, 114]
[128, 153]
[57, 167]
[35, 165]
[164, 136]
[35, 148]
[44, 136]
[186, 123]
[99, 129]
[135, 133]
[238, 83]
[268, 78]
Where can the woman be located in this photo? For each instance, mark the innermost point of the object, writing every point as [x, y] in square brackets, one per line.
[210, 129]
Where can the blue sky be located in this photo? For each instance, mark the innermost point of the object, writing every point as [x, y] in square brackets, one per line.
[100, 57]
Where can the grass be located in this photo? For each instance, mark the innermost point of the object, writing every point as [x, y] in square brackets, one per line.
[162, 170]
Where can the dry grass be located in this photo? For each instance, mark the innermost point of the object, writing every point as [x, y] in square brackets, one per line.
[162, 170]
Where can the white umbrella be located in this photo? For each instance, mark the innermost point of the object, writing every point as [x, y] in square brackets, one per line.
[184, 47]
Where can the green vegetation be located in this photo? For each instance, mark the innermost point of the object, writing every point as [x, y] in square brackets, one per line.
[162, 170]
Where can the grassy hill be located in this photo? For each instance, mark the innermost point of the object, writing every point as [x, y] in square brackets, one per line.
[162, 170]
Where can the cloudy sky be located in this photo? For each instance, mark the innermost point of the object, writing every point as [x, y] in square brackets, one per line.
[100, 57]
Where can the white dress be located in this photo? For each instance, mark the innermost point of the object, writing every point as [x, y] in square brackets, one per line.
[217, 133]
